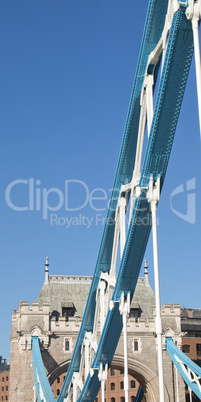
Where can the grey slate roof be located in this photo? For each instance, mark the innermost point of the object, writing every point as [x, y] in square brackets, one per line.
[67, 291]
[145, 297]
[190, 319]
[191, 313]
[5, 368]
[64, 289]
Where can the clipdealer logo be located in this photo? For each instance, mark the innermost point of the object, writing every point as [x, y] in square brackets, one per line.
[29, 195]
[188, 194]
[46, 200]
[23, 195]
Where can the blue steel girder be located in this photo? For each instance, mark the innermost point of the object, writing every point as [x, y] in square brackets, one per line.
[140, 394]
[190, 371]
[43, 389]
[152, 33]
[168, 104]
[170, 94]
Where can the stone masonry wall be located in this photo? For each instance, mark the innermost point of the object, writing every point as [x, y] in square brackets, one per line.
[34, 320]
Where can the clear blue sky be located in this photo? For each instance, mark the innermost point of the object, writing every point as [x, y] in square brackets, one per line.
[66, 75]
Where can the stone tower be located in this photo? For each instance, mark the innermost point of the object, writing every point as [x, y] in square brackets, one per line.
[56, 318]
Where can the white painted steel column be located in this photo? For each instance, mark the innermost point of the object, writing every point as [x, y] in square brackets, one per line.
[126, 379]
[74, 392]
[158, 307]
[149, 99]
[177, 385]
[35, 396]
[102, 304]
[122, 224]
[153, 196]
[86, 351]
[115, 244]
[190, 394]
[102, 375]
[77, 386]
[103, 390]
[124, 309]
[197, 59]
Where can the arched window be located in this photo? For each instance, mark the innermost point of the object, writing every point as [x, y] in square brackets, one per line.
[58, 380]
[67, 345]
[132, 398]
[7, 378]
[122, 399]
[2, 379]
[133, 384]
[112, 399]
[121, 385]
[112, 372]
[136, 345]
[58, 391]
[112, 386]
[186, 348]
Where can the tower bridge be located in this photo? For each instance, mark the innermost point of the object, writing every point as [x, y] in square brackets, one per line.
[58, 332]
[106, 335]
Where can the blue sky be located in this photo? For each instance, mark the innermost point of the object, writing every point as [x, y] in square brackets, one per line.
[67, 69]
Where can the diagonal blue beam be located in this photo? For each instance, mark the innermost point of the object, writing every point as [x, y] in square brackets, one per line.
[173, 351]
[140, 394]
[40, 375]
[152, 33]
[171, 90]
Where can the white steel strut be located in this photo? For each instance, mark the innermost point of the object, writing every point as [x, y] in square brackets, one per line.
[124, 309]
[108, 279]
[90, 343]
[173, 6]
[153, 196]
[102, 375]
[190, 371]
[192, 376]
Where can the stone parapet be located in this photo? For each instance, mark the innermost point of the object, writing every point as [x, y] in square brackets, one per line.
[70, 279]
[58, 335]
[61, 325]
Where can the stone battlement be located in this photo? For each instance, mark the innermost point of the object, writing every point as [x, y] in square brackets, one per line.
[30, 309]
[170, 308]
[70, 279]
